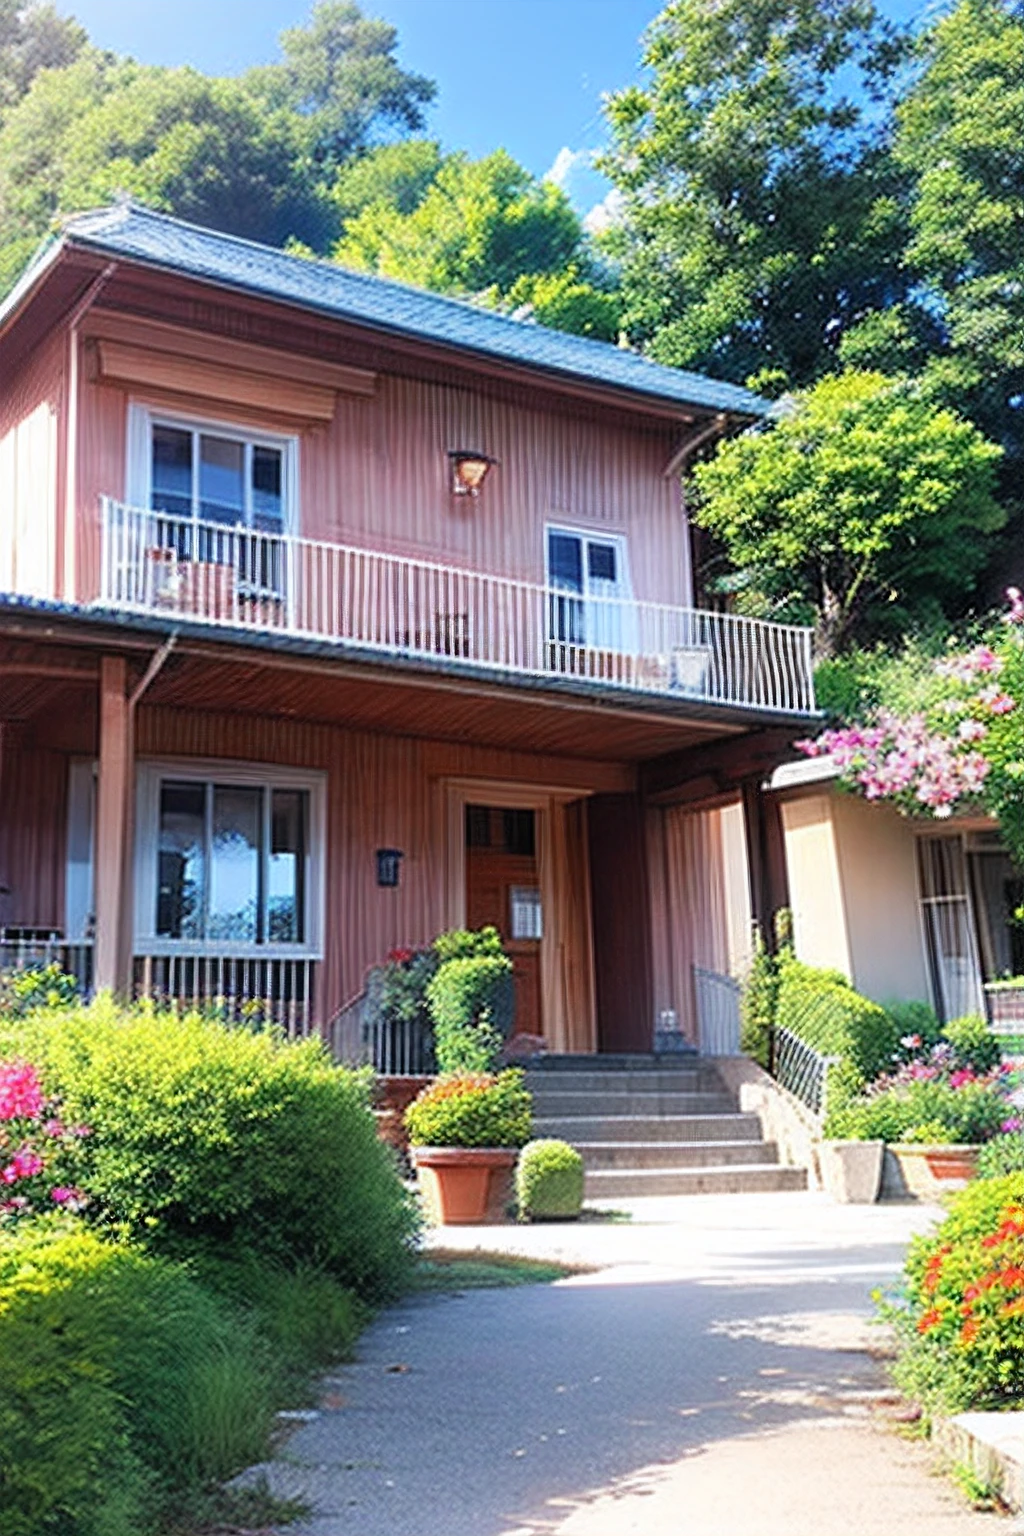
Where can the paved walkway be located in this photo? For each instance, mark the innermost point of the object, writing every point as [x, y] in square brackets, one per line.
[719, 1377]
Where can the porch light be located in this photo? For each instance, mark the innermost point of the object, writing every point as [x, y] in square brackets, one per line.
[389, 862]
[469, 471]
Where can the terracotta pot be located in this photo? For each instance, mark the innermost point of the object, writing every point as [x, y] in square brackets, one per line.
[952, 1162]
[464, 1186]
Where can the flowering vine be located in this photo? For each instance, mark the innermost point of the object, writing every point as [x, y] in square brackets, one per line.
[964, 746]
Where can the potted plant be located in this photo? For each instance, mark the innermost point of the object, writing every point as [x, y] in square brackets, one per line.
[851, 1170]
[464, 1132]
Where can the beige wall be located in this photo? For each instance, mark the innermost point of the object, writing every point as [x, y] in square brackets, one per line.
[852, 871]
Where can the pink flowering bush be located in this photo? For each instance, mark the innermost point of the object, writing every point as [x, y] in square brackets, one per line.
[962, 747]
[34, 1144]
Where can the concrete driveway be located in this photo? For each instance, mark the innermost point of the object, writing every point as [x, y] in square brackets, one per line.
[715, 1377]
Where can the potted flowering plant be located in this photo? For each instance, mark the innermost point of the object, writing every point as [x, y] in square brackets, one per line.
[465, 1130]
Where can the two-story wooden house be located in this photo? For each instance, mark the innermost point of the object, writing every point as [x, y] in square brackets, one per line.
[334, 613]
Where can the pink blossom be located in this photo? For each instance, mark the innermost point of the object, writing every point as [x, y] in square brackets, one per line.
[21, 1093]
[68, 1195]
[960, 1078]
[971, 730]
[53, 1128]
[1016, 601]
[994, 700]
[25, 1164]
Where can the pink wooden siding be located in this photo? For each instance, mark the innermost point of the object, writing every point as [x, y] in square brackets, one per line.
[33, 795]
[377, 475]
[31, 404]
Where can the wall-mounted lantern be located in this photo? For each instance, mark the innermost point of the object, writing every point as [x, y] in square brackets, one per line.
[389, 864]
[469, 471]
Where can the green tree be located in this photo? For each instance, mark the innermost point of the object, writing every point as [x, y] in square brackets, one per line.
[486, 228]
[33, 37]
[863, 508]
[958, 139]
[762, 214]
[340, 74]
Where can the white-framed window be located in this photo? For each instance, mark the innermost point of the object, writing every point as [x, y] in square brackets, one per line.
[197, 470]
[229, 859]
[592, 570]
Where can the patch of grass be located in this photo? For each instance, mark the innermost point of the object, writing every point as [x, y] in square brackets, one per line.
[977, 1490]
[446, 1269]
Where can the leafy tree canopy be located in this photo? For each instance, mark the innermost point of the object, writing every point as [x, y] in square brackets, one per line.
[864, 507]
[485, 227]
[33, 37]
[762, 216]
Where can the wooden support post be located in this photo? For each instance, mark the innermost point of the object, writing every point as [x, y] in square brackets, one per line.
[113, 829]
[766, 857]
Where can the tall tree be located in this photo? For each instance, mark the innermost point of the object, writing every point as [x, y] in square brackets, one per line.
[762, 215]
[862, 509]
[33, 37]
[340, 73]
[959, 139]
[485, 228]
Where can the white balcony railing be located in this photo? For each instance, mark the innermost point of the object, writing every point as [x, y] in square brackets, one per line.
[236, 578]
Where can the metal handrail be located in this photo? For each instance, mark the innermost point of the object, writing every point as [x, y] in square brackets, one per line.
[801, 1069]
[248, 578]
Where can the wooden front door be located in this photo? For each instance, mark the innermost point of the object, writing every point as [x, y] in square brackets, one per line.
[503, 891]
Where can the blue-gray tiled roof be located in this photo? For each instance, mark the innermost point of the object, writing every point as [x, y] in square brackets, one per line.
[154, 238]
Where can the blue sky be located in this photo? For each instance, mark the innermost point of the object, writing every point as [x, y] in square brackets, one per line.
[524, 74]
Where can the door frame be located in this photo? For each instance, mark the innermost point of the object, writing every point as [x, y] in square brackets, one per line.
[542, 800]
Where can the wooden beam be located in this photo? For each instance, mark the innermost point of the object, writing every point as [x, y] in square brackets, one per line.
[703, 772]
[691, 442]
[113, 809]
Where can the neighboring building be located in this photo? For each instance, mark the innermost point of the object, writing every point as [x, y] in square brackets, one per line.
[905, 907]
[279, 693]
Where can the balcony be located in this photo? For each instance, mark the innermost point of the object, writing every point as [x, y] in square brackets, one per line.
[238, 579]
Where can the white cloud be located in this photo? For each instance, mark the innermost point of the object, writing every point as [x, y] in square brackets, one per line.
[605, 213]
[565, 163]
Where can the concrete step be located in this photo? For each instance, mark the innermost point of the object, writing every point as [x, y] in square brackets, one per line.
[671, 1080]
[630, 1183]
[552, 1105]
[626, 1062]
[623, 1155]
[648, 1128]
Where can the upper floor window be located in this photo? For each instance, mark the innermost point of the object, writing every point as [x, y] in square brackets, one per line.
[590, 569]
[217, 474]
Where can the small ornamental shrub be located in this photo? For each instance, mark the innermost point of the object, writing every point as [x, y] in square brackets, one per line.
[472, 1002]
[205, 1137]
[917, 1028]
[921, 1111]
[549, 1181]
[1003, 1154]
[36, 986]
[959, 1312]
[758, 1002]
[974, 1044]
[472, 1110]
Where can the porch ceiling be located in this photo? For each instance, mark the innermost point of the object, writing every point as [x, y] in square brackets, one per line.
[49, 672]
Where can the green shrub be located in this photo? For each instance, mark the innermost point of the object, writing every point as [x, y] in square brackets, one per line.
[467, 944]
[472, 1110]
[1003, 1154]
[824, 1011]
[123, 1385]
[974, 1043]
[549, 1180]
[472, 1003]
[758, 1003]
[959, 1311]
[934, 1111]
[36, 986]
[205, 1137]
[915, 1019]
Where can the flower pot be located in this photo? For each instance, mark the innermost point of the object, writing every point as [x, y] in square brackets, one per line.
[464, 1186]
[928, 1171]
[851, 1171]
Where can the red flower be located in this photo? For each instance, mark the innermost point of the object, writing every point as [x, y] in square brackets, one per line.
[929, 1320]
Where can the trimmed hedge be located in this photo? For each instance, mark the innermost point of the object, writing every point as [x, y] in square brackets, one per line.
[549, 1180]
[824, 1011]
[211, 1139]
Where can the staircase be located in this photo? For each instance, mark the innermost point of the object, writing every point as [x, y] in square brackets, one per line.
[654, 1125]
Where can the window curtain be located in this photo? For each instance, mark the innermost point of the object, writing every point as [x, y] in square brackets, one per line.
[696, 916]
[567, 963]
